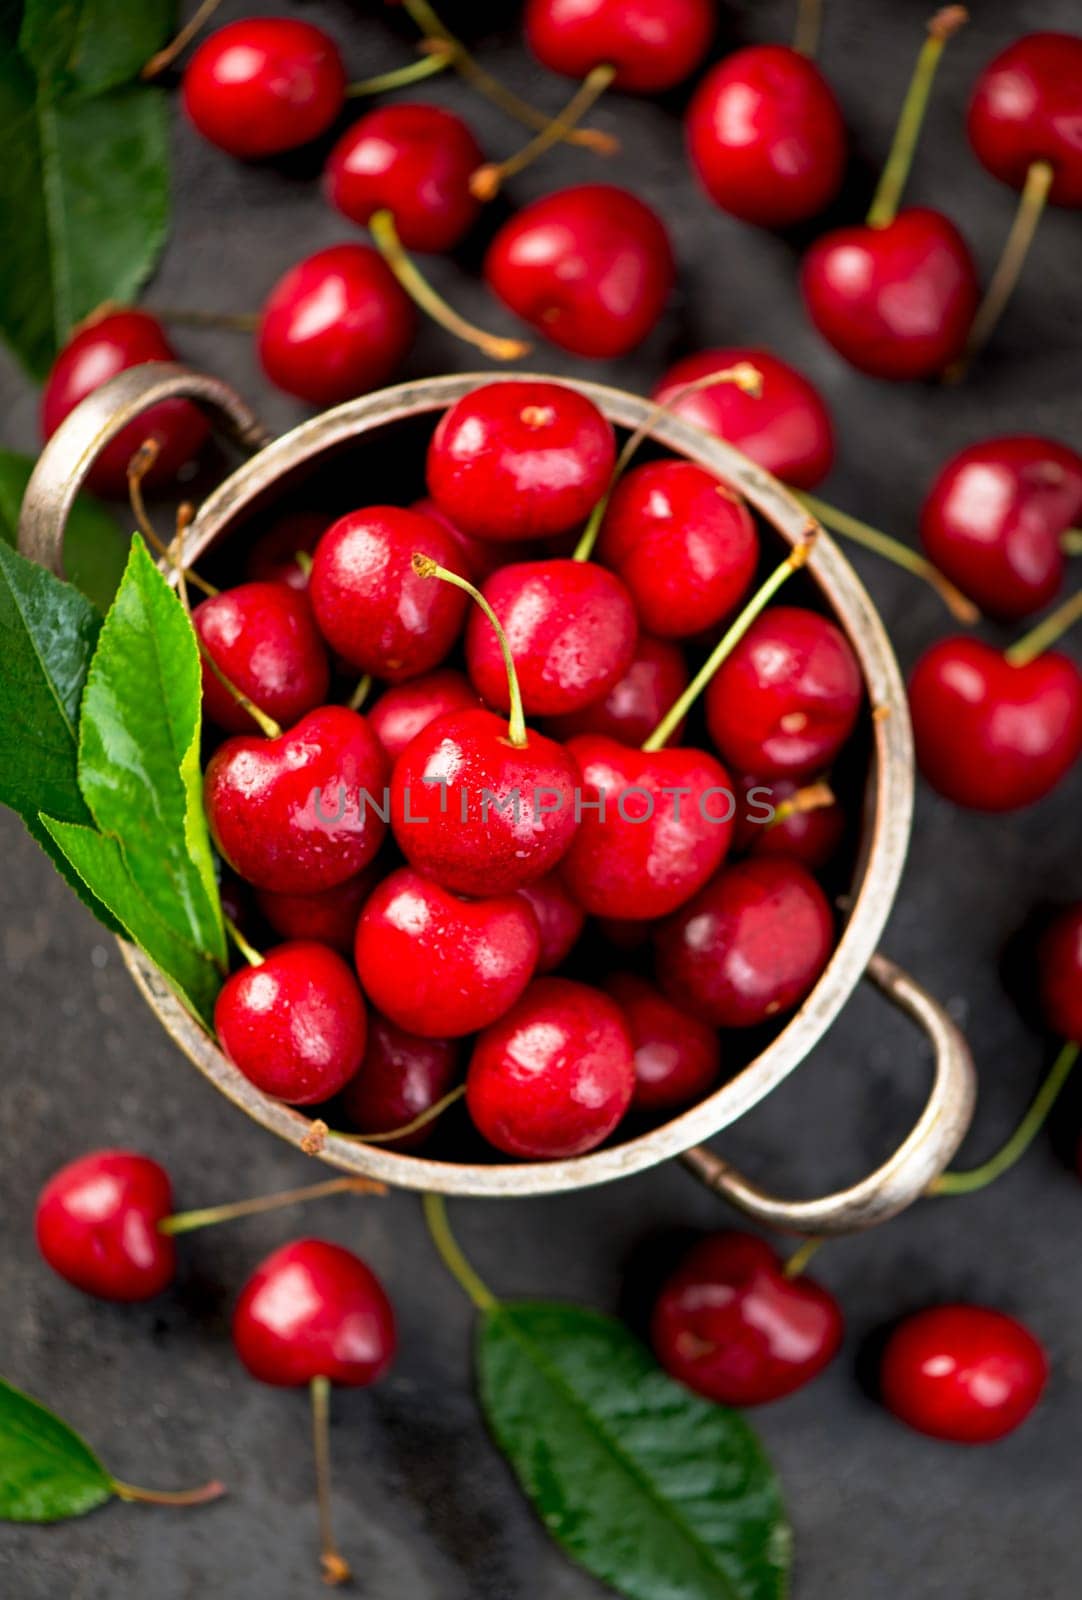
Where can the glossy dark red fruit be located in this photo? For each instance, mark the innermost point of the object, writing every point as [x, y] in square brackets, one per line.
[1027, 107]
[402, 1076]
[1059, 963]
[677, 1058]
[591, 268]
[653, 44]
[990, 735]
[560, 920]
[730, 1325]
[97, 1221]
[263, 85]
[97, 350]
[962, 1373]
[406, 709]
[277, 556]
[335, 325]
[553, 1077]
[414, 161]
[636, 703]
[766, 136]
[787, 430]
[748, 947]
[263, 639]
[811, 835]
[300, 813]
[995, 516]
[329, 916]
[520, 460]
[314, 1310]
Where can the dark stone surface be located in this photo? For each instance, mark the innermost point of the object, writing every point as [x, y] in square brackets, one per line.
[425, 1506]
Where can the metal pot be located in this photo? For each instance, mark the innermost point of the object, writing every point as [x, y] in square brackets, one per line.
[887, 812]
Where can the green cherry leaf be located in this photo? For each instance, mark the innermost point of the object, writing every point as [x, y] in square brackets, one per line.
[83, 47]
[95, 550]
[47, 1472]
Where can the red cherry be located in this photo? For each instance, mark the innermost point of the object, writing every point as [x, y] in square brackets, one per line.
[330, 916]
[97, 1225]
[766, 136]
[1027, 107]
[479, 814]
[787, 430]
[370, 604]
[665, 829]
[749, 946]
[520, 460]
[730, 1325]
[1059, 957]
[963, 1373]
[684, 545]
[401, 1077]
[677, 1058]
[560, 920]
[994, 518]
[652, 44]
[991, 735]
[404, 711]
[264, 85]
[441, 966]
[787, 698]
[811, 836]
[335, 325]
[273, 556]
[590, 268]
[636, 703]
[314, 1310]
[414, 161]
[553, 1077]
[96, 352]
[263, 638]
[299, 813]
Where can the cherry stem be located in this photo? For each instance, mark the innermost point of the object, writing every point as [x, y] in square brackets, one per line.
[1047, 631]
[189, 1221]
[1070, 541]
[425, 567]
[809, 24]
[138, 467]
[169, 1497]
[958, 604]
[435, 1211]
[813, 797]
[190, 317]
[748, 379]
[730, 639]
[888, 194]
[248, 951]
[334, 1567]
[430, 64]
[486, 182]
[360, 693]
[949, 1183]
[165, 57]
[796, 1263]
[304, 561]
[421, 1121]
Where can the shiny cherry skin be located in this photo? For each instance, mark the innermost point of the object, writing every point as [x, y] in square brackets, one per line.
[296, 1024]
[572, 629]
[1027, 107]
[811, 837]
[264, 85]
[372, 607]
[554, 1077]
[263, 639]
[402, 1076]
[99, 349]
[277, 555]
[666, 827]
[314, 1310]
[677, 1058]
[329, 916]
[560, 920]
[334, 326]
[787, 430]
[897, 301]
[1059, 966]
[97, 1225]
[683, 544]
[749, 946]
[994, 518]
[591, 268]
[989, 735]
[730, 1325]
[636, 703]
[478, 814]
[441, 966]
[766, 136]
[653, 44]
[299, 813]
[406, 709]
[520, 460]
[414, 161]
[786, 700]
[962, 1373]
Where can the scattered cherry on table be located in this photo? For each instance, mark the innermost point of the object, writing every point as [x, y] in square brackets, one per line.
[963, 1373]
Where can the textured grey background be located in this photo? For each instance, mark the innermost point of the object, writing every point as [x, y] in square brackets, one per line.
[426, 1508]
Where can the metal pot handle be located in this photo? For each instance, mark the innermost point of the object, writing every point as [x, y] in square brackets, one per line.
[69, 455]
[918, 1160]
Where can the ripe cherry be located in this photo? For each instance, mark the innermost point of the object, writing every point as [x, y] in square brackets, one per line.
[590, 268]
[405, 710]
[560, 920]
[677, 1058]
[98, 349]
[264, 85]
[441, 966]
[749, 946]
[329, 916]
[636, 703]
[1059, 957]
[283, 553]
[806, 824]
[553, 1077]
[766, 136]
[262, 638]
[335, 325]
[97, 1225]
[651, 45]
[402, 1076]
[732, 1326]
[962, 1373]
